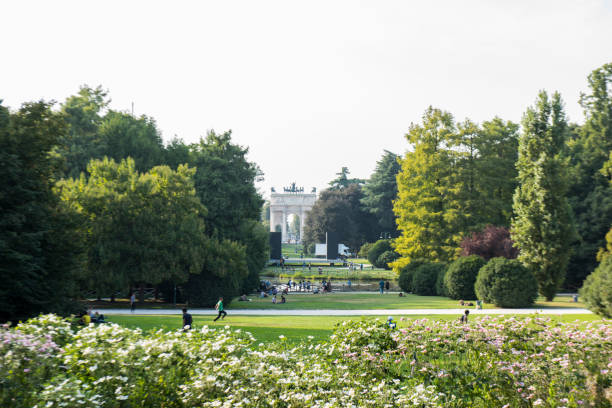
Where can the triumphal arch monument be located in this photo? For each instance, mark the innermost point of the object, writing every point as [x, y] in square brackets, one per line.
[293, 200]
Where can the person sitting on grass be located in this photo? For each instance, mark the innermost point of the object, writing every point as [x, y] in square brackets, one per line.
[85, 319]
[243, 298]
[274, 299]
[283, 299]
[98, 318]
[464, 317]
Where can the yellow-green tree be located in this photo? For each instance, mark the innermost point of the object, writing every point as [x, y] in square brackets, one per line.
[427, 207]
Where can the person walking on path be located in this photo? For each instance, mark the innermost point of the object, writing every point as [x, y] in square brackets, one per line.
[187, 320]
[133, 302]
[381, 284]
[219, 308]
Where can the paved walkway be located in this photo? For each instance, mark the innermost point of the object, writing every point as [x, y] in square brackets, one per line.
[336, 312]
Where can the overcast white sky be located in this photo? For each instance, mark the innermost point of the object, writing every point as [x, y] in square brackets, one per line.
[308, 86]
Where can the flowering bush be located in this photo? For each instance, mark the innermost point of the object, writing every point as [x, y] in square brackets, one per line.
[28, 357]
[487, 363]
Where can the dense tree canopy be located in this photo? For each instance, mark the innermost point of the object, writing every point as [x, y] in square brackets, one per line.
[340, 211]
[458, 179]
[39, 243]
[141, 228]
[590, 194]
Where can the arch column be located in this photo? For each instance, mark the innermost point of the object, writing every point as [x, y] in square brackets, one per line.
[302, 223]
[284, 226]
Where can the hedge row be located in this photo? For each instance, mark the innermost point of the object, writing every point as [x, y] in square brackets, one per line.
[503, 282]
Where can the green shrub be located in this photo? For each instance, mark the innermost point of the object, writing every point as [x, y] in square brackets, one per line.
[440, 287]
[597, 289]
[425, 278]
[385, 259]
[461, 276]
[377, 249]
[365, 248]
[406, 275]
[506, 283]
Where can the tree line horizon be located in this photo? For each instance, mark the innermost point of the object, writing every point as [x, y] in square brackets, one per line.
[94, 200]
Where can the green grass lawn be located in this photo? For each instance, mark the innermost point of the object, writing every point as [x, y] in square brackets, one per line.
[294, 328]
[349, 301]
[345, 301]
[292, 250]
[338, 273]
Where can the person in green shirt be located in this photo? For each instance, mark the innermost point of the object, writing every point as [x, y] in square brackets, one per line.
[219, 308]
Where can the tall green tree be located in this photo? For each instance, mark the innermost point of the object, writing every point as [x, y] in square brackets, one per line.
[542, 228]
[40, 251]
[225, 183]
[83, 113]
[590, 194]
[380, 191]
[141, 228]
[427, 208]
[343, 181]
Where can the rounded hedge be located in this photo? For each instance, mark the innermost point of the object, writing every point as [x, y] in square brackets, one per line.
[406, 274]
[365, 248]
[385, 259]
[377, 250]
[597, 289]
[425, 278]
[506, 283]
[461, 276]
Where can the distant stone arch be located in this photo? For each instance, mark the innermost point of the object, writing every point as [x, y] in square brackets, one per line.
[292, 201]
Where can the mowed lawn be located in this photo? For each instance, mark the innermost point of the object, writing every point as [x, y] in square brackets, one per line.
[294, 328]
[351, 301]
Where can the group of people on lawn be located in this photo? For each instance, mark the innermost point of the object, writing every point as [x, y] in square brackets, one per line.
[89, 316]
